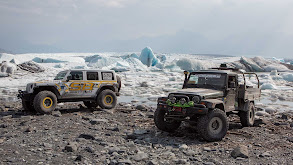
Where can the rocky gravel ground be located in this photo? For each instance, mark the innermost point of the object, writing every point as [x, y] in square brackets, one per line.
[74, 134]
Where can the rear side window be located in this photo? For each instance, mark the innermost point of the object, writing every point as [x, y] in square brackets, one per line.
[107, 76]
[76, 75]
[92, 76]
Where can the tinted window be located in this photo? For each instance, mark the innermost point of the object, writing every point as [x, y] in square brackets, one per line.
[76, 75]
[92, 76]
[107, 76]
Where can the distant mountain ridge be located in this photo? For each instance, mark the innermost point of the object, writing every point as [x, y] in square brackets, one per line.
[4, 51]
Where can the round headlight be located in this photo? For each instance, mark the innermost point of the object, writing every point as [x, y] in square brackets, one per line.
[173, 100]
[196, 99]
[171, 96]
[182, 101]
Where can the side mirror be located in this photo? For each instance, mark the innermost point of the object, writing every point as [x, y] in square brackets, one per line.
[232, 85]
[69, 78]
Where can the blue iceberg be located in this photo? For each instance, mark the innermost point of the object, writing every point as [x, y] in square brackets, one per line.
[147, 57]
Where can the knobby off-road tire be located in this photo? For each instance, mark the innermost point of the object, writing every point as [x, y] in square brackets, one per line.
[163, 124]
[247, 117]
[107, 99]
[90, 104]
[27, 106]
[45, 102]
[213, 126]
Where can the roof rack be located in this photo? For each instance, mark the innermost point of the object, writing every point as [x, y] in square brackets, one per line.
[224, 67]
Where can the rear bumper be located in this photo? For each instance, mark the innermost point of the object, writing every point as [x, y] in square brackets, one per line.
[24, 95]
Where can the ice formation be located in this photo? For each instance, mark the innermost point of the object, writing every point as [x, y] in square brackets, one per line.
[268, 86]
[288, 77]
[47, 60]
[147, 57]
[7, 67]
[193, 64]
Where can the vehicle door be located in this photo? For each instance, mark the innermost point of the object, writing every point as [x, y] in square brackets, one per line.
[74, 84]
[231, 96]
[91, 84]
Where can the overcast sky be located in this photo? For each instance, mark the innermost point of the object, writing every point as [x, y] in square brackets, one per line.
[233, 27]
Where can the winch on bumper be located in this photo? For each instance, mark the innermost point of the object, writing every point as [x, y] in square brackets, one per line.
[186, 109]
[24, 95]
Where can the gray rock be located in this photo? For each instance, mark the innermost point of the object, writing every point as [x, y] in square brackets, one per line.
[125, 161]
[183, 147]
[87, 136]
[265, 154]
[113, 149]
[290, 139]
[262, 113]
[181, 161]
[140, 156]
[116, 129]
[141, 107]
[208, 149]
[190, 153]
[259, 122]
[291, 125]
[98, 121]
[56, 113]
[78, 158]
[240, 151]
[209, 163]
[71, 147]
[90, 149]
[47, 145]
[284, 116]
[144, 84]
[29, 129]
[140, 132]
[280, 123]
[270, 110]
[152, 162]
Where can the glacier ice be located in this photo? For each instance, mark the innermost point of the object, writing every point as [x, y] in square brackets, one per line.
[147, 57]
[252, 66]
[7, 67]
[288, 77]
[194, 64]
[47, 60]
[268, 86]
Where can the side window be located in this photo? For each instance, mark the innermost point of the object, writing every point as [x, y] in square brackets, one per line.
[240, 79]
[92, 76]
[232, 82]
[107, 76]
[76, 75]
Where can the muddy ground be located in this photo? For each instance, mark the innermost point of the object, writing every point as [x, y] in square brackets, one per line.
[74, 134]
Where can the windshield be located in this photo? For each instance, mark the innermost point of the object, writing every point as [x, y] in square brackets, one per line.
[206, 80]
[60, 76]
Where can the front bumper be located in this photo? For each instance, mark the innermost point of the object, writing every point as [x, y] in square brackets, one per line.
[189, 111]
[24, 95]
[184, 111]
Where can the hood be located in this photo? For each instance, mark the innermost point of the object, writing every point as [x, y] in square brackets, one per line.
[203, 92]
[47, 82]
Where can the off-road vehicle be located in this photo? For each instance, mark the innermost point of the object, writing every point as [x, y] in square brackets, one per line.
[93, 87]
[206, 99]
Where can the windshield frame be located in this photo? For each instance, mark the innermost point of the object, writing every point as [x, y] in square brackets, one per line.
[210, 86]
[66, 73]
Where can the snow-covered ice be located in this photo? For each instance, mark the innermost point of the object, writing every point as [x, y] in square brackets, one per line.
[163, 75]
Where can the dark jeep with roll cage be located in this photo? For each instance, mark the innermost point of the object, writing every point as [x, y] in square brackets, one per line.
[205, 100]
